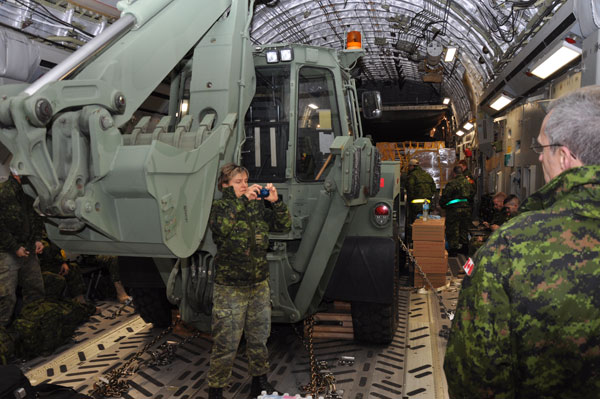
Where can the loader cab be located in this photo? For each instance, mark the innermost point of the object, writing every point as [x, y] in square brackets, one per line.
[300, 106]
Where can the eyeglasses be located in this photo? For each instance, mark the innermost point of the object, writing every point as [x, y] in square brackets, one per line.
[539, 148]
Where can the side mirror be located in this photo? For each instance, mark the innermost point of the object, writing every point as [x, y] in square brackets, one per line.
[371, 104]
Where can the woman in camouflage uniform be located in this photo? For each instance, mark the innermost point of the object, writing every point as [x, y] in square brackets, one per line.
[240, 223]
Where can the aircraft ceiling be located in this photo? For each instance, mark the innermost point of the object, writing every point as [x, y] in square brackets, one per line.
[396, 35]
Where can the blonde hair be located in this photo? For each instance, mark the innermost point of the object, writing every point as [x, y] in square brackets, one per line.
[227, 172]
[500, 195]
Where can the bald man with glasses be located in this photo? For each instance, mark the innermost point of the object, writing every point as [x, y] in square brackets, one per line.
[528, 316]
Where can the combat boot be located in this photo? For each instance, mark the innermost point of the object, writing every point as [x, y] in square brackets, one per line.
[215, 393]
[259, 384]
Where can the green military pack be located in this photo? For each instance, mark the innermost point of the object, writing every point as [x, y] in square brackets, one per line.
[7, 345]
[45, 324]
[54, 284]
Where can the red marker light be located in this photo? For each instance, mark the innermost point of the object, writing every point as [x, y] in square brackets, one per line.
[570, 40]
[382, 210]
[381, 182]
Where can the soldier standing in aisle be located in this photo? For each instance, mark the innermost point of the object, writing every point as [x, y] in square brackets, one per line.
[455, 200]
[20, 242]
[472, 183]
[419, 188]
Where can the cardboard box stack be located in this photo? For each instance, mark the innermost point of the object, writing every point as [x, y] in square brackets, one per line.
[429, 251]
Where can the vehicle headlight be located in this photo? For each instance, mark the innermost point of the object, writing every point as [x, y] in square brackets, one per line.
[272, 56]
[286, 54]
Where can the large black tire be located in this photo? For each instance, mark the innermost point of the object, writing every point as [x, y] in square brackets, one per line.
[376, 323]
[152, 305]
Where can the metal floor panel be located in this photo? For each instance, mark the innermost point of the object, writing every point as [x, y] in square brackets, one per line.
[102, 345]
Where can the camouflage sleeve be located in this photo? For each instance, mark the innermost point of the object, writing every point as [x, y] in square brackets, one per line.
[472, 190]
[37, 225]
[500, 217]
[279, 218]
[51, 258]
[6, 237]
[480, 354]
[410, 185]
[433, 186]
[447, 194]
[223, 217]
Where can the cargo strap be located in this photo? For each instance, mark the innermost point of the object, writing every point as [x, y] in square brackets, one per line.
[456, 201]
[420, 201]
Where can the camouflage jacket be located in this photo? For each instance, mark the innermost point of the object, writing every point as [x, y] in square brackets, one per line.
[52, 258]
[469, 176]
[20, 225]
[240, 229]
[419, 184]
[528, 317]
[501, 217]
[457, 188]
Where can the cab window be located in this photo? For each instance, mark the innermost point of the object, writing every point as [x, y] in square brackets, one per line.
[267, 126]
[318, 121]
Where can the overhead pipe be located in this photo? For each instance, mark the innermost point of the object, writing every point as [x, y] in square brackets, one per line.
[85, 52]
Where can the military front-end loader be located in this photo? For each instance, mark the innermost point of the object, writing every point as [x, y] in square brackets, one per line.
[288, 113]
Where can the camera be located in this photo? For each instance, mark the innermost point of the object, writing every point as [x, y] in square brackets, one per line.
[263, 193]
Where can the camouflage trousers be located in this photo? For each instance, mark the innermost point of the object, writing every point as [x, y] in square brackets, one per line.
[15, 271]
[237, 310]
[110, 262]
[458, 221]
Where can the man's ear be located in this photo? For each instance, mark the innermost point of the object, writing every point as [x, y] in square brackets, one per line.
[563, 158]
[567, 161]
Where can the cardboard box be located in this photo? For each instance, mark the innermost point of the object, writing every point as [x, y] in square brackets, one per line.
[433, 265]
[436, 279]
[433, 249]
[429, 230]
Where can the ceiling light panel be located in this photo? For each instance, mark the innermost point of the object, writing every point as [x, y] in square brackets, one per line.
[450, 54]
[501, 101]
[556, 59]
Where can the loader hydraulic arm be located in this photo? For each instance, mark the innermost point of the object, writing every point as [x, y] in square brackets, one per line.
[147, 193]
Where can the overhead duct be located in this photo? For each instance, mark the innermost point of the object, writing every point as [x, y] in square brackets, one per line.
[587, 14]
[19, 58]
[25, 60]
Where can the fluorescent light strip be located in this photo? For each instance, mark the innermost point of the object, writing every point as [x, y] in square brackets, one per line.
[501, 102]
[459, 133]
[468, 126]
[446, 101]
[565, 53]
[450, 53]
